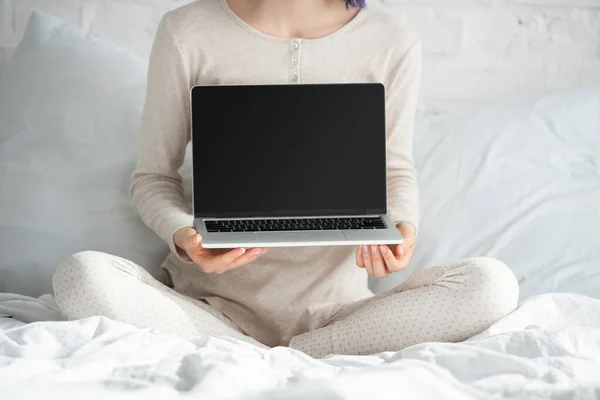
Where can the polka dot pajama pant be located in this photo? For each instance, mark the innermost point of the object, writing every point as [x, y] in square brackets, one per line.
[447, 303]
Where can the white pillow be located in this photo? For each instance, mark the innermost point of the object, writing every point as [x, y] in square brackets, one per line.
[519, 182]
[70, 109]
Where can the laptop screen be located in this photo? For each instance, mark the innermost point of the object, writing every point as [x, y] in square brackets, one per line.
[288, 150]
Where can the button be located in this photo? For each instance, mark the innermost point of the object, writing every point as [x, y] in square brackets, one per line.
[295, 45]
[295, 61]
[294, 78]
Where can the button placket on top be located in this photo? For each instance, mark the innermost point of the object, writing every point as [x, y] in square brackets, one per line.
[295, 49]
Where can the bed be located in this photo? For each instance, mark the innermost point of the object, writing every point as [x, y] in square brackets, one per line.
[518, 181]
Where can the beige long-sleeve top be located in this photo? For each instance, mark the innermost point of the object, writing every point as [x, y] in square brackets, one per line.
[288, 290]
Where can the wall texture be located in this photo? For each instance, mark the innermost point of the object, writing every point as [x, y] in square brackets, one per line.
[476, 51]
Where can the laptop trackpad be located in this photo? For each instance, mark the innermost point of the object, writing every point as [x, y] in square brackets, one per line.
[309, 236]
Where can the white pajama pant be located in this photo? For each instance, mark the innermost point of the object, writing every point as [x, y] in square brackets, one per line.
[448, 303]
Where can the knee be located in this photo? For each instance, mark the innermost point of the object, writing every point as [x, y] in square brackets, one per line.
[492, 285]
[76, 269]
[83, 283]
[78, 273]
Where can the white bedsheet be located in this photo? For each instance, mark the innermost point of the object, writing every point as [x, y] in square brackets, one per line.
[548, 349]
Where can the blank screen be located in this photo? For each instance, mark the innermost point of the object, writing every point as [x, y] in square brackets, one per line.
[289, 150]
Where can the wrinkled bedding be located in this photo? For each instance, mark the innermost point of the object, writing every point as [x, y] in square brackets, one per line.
[548, 349]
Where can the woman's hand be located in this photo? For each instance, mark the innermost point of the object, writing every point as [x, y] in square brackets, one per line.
[382, 260]
[214, 260]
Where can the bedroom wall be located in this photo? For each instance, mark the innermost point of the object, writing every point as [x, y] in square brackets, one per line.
[476, 51]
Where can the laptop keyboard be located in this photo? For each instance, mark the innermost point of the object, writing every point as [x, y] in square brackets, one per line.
[294, 224]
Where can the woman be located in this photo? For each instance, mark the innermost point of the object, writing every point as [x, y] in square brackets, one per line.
[313, 299]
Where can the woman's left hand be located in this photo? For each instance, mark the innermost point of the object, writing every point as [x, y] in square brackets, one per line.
[382, 260]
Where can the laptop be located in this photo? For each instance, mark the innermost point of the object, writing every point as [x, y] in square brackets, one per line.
[290, 165]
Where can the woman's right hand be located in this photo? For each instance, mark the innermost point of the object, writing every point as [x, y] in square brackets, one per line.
[214, 260]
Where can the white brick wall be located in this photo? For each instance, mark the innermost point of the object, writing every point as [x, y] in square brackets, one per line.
[476, 51]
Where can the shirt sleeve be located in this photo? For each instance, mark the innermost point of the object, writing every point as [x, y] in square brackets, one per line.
[156, 188]
[402, 94]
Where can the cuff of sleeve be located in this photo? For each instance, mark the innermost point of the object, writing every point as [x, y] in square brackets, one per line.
[172, 225]
[399, 217]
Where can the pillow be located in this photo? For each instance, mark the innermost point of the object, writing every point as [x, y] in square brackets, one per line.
[519, 182]
[70, 109]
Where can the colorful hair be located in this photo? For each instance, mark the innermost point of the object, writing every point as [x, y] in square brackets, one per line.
[356, 3]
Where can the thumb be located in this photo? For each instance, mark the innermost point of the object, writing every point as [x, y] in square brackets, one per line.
[194, 240]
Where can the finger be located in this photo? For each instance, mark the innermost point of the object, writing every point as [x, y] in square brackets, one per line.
[359, 257]
[212, 261]
[194, 241]
[228, 257]
[399, 251]
[405, 262]
[367, 260]
[379, 268]
[224, 262]
[247, 258]
[391, 262]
